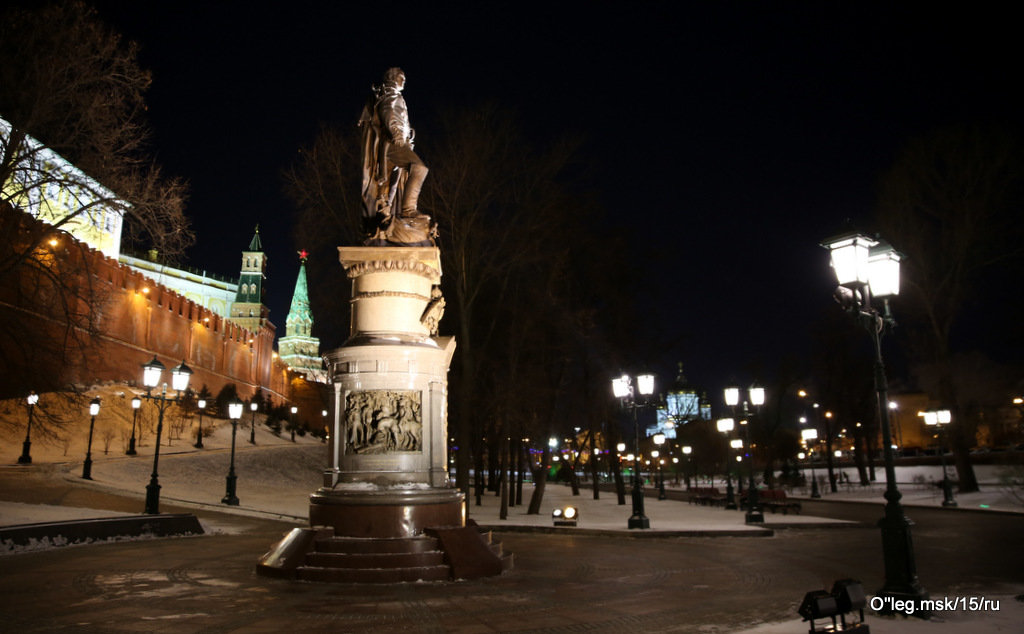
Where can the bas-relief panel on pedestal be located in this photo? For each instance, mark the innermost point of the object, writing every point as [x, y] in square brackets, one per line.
[383, 421]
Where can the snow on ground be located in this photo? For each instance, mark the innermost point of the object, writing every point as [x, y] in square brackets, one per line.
[14, 513]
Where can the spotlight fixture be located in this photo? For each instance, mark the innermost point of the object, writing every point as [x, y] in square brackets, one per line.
[565, 516]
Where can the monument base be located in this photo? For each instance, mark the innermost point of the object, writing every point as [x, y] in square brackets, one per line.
[386, 512]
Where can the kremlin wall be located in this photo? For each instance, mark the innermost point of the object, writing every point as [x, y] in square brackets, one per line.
[133, 319]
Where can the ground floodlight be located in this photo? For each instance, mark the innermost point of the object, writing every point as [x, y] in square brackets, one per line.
[818, 604]
[850, 597]
[565, 516]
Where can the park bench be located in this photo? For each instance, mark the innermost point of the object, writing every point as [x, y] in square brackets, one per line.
[773, 500]
[706, 496]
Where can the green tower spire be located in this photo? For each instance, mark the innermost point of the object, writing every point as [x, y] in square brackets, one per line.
[299, 348]
[300, 319]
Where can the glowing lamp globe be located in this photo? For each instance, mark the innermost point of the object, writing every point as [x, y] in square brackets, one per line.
[151, 373]
[180, 377]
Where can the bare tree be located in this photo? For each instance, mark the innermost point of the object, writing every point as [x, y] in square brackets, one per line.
[323, 184]
[951, 204]
[72, 153]
[107, 435]
[500, 208]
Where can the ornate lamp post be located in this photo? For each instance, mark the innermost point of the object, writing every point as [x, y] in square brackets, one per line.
[688, 451]
[26, 447]
[808, 435]
[252, 428]
[623, 389]
[201, 404]
[726, 425]
[152, 373]
[941, 418]
[755, 515]
[659, 441]
[620, 489]
[295, 410]
[868, 269]
[94, 408]
[136, 404]
[235, 413]
[829, 453]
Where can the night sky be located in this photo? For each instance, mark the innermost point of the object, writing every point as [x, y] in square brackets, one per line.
[730, 136]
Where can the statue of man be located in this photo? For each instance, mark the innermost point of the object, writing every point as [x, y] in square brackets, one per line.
[388, 148]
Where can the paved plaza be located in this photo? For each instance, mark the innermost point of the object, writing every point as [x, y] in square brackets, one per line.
[698, 569]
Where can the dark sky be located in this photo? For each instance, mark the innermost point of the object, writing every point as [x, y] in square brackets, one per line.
[737, 135]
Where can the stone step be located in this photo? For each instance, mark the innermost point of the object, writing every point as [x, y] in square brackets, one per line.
[373, 575]
[354, 545]
[507, 562]
[375, 560]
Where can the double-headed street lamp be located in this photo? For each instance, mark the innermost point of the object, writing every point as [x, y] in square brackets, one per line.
[201, 405]
[622, 387]
[136, 404]
[152, 374]
[26, 447]
[939, 419]
[94, 409]
[230, 497]
[732, 398]
[868, 269]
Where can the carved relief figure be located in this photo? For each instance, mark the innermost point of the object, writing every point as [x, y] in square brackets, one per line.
[383, 421]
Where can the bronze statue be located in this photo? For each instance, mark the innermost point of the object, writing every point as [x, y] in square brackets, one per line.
[393, 173]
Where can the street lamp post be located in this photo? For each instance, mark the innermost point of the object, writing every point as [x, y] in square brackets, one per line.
[726, 425]
[620, 489]
[867, 268]
[829, 454]
[755, 515]
[295, 410]
[94, 408]
[941, 418]
[152, 374]
[199, 434]
[230, 496]
[808, 435]
[623, 389]
[688, 451]
[252, 428]
[26, 447]
[136, 404]
[659, 441]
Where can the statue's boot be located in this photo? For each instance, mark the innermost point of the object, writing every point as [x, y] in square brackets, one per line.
[413, 185]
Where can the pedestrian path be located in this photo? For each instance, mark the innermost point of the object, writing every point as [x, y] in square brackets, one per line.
[667, 517]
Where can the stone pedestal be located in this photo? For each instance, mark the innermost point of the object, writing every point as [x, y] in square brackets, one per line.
[388, 474]
[387, 511]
